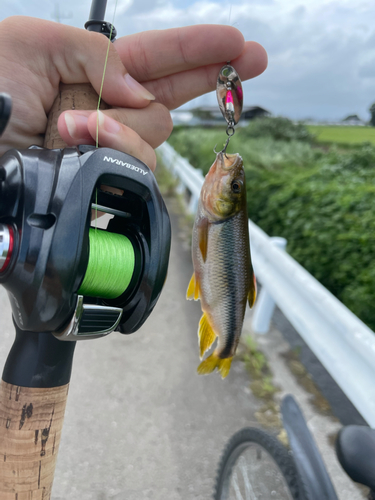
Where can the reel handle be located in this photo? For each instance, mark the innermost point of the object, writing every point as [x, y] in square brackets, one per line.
[74, 96]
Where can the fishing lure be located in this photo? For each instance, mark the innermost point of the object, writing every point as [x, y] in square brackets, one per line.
[223, 277]
[230, 98]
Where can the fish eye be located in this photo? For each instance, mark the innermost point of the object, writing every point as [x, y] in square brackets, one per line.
[236, 186]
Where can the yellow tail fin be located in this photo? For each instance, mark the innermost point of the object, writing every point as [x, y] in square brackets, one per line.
[212, 362]
[206, 335]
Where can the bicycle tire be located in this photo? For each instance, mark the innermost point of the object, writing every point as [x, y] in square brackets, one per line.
[276, 478]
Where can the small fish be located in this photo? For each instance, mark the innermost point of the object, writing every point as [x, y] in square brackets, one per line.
[223, 277]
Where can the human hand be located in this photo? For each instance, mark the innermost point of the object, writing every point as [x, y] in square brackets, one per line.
[175, 65]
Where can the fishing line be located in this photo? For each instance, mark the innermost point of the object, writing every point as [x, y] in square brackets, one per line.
[96, 209]
[111, 255]
[104, 70]
[111, 265]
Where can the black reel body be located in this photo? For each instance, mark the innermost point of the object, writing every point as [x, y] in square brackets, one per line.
[46, 198]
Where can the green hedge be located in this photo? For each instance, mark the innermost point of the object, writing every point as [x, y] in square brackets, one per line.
[323, 203]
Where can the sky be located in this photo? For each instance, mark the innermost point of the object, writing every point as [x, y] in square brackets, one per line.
[321, 52]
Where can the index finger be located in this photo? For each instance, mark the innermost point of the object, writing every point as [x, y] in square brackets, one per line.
[174, 90]
[154, 54]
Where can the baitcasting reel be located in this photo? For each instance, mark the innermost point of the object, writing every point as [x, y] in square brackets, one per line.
[67, 278]
[46, 200]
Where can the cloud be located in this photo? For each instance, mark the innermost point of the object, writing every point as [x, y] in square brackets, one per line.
[367, 70]
[321, 52]
[122, 6]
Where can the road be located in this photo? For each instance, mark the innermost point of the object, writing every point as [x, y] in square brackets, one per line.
[141, 424]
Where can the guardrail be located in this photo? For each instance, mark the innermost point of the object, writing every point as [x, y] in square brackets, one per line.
[342, 343]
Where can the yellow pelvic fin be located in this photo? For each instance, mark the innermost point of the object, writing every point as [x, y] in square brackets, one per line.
[206, 335]
[251, 296]
[193, 289]
[212, 362]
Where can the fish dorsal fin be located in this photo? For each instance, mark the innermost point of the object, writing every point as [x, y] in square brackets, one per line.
[206, 335]
[203, 237]
[193, 289]
[252, 294]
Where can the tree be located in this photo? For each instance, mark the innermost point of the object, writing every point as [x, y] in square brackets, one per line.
[372, 111]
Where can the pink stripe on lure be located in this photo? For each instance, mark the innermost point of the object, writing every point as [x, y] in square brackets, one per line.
[229, 98]
[239, 93]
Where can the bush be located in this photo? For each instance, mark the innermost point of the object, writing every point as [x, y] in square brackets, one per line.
[279, 128]
[330, 230]
[197, 145]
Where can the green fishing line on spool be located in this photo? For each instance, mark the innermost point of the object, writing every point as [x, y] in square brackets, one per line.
[110, 267]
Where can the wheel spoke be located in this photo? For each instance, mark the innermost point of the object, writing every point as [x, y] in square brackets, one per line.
[236, 488]
[250, 494]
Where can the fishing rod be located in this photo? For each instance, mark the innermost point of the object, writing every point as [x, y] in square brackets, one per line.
[97, 11]
[61, 288]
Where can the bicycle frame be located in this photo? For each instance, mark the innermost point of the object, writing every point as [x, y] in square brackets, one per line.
[314, 478]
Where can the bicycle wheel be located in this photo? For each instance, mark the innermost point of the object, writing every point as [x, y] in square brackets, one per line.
[256, 466]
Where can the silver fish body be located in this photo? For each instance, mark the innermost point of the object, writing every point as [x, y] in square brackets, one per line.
[224, 279]
[223, 276]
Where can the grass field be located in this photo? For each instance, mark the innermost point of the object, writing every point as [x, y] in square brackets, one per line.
[343, 134]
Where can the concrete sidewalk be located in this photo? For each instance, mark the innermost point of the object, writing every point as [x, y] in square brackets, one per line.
[140, 424]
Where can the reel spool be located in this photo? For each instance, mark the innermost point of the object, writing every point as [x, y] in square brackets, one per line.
[110, 267]
[63, 276]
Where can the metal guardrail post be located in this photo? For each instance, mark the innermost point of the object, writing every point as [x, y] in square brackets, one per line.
[265, 305]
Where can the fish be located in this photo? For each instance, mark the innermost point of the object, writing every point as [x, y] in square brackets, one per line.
[223, 278]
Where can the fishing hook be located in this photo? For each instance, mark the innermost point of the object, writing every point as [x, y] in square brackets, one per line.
[230, 133]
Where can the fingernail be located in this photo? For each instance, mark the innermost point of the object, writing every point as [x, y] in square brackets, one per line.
[137, 88]
[109, 124]
[73, 122]
[70, 124]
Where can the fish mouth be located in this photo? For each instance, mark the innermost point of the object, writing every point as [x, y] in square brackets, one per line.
[228, 161]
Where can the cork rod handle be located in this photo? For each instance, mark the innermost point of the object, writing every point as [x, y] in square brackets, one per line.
[31, 421]
[78, 96]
